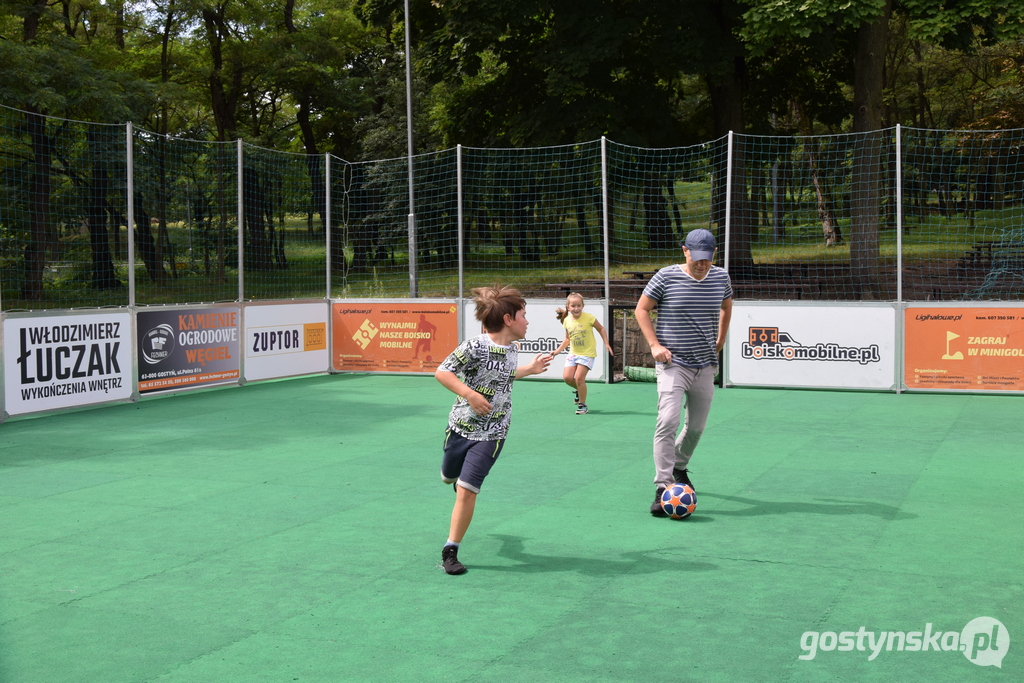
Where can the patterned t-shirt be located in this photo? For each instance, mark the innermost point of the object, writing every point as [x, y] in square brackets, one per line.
[688, 310]
[488, 369]
[581, 334]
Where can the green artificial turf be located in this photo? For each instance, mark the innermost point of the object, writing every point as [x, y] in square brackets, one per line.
[291, 531]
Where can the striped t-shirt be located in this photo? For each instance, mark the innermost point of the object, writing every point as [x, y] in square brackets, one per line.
[688, 310]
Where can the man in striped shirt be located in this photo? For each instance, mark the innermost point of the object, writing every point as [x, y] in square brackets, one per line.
[694, 302]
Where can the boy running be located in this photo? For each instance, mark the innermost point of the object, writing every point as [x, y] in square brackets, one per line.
[480, 372]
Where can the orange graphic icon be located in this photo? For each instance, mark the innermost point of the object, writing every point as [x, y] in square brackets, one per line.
[950, 336]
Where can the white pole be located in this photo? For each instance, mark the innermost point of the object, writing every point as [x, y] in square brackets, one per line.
[130, 218]
[458, 192]
[728, 200]
[130, 180]
[327, 219]
[604, 211]
[900, 340]
[241, 220]
[899, 214]
[413, 284]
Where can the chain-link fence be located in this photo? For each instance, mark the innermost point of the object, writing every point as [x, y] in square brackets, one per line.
[903, 214]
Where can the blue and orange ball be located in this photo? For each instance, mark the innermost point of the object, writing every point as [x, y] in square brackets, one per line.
[679, 501]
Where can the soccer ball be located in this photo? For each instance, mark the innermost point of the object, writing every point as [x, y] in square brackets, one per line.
[679, 501]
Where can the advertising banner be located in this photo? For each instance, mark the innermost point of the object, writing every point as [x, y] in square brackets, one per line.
[285, 340]
[393, 337]
[66, 361]
[964, 348]
[850, 347]
[545, 334]
[179, 349]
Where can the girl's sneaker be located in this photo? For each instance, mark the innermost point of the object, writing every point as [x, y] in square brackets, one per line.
[582, 409]
[575, 397]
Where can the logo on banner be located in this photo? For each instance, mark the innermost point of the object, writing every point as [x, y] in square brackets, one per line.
[365, 334]
[65, 361]
[288, 339]
[983, 641]
[314, 336]
[770, 343]
[950, 336]
[542, 345]
[158, 343]
[51, 353]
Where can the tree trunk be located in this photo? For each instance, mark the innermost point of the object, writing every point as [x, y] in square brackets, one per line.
[727, 103]
[40, 231]
[145, 243]
[257, 242]
[103, 276]
[869, 80]
[829, 227]
[40, 182]
[656, 220]
[222, 98]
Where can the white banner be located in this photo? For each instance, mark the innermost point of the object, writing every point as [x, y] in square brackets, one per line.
[848, 347]
[66, 361]
[285, 340]
[544, 334]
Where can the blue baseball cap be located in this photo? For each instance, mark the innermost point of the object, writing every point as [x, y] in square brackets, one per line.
[701, 244]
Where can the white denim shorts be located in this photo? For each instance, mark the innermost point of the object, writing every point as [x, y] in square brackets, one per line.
[587, 361]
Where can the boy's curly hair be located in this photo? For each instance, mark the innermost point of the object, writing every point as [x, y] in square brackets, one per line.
[492, 303]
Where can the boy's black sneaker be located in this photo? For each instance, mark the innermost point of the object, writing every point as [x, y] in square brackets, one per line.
[450, 560]
[656, 508]
[682, 477]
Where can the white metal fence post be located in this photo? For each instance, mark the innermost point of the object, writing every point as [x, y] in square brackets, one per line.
[728, 199]
[899, 260]
[604, 210]
[458, 201]
[241, 221]
[327, 217]
[899, 214]
[130, 218]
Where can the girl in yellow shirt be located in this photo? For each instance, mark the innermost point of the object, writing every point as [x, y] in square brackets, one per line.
[579, 333]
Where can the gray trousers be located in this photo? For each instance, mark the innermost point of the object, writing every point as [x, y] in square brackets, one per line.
[679, 387]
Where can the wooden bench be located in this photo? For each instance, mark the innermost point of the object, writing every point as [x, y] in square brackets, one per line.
[584, 288]
[620, 289]
[620, 281]
[780, 289]
[990, 255]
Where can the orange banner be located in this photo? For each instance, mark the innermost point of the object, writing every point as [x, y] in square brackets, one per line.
[393, 337]
[972, 349]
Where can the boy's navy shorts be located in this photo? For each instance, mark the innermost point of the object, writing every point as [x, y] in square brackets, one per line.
[466, 461]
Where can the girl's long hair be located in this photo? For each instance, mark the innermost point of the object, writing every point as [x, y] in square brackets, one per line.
[561, 313]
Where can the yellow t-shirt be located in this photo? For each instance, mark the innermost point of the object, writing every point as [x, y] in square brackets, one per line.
[581, 334]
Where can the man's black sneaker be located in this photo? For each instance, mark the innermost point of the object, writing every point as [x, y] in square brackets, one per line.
[682, 477]
[656, 508]
[450, 560]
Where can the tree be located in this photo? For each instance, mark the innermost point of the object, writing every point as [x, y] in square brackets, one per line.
[957, 23]
[48, 72]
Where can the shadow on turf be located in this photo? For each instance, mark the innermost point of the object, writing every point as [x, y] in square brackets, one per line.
[641, 562]
[831, 506]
